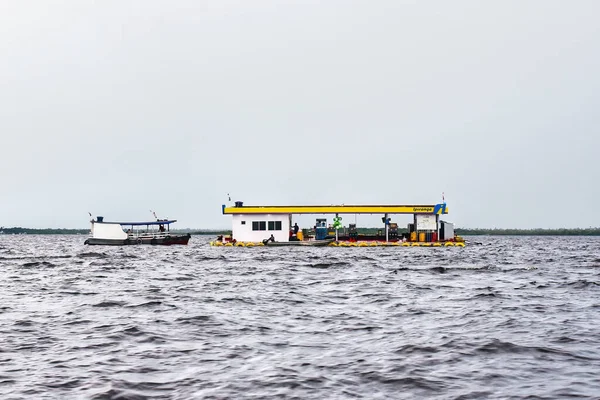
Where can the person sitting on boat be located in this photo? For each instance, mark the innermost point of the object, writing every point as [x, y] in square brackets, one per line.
[296, 228]
[129, 231]
[161, 228]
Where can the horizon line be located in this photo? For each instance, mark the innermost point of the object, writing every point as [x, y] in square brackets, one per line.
[358, 227]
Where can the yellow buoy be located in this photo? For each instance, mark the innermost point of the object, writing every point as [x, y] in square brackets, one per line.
[415, 244]
[448, 244]
[406, 244]
[437, 244]
[459, 244]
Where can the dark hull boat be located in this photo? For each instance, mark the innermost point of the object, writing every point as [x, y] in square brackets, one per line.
[155, 241]
[150, 233]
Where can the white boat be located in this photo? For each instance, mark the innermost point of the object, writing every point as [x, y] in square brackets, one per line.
[133, 233]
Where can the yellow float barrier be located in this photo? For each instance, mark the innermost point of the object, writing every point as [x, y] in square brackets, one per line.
[352, 244]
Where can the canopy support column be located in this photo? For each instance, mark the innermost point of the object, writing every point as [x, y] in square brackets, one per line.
[336, 229]
[386, 228]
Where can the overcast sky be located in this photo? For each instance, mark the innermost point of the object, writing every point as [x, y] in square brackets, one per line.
[120, 107]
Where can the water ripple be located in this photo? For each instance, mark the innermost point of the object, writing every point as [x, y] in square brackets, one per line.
[509, 318]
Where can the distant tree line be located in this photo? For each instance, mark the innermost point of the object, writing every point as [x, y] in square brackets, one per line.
[209, 232]
[531, 232]
[504, 232]
[46, 231]
[61, 231]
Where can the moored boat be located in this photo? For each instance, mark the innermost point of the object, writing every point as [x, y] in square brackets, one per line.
[157, 232]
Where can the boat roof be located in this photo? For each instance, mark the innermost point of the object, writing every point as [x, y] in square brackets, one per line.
[159, 222]
[340, 209]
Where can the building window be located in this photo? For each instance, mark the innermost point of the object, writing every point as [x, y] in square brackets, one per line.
[259, 225]
[274, 225]
[243, 222]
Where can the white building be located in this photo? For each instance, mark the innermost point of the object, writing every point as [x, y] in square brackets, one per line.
[257, 227]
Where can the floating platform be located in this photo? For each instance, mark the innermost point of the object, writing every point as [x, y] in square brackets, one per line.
[253, 225]
[351, 244]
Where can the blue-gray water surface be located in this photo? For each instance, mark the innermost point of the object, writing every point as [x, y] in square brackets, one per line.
[514, 317]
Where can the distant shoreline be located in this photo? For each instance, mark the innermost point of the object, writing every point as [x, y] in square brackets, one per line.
[64, 231]
[459, 231]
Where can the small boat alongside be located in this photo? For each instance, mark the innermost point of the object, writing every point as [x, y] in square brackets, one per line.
[157, 232]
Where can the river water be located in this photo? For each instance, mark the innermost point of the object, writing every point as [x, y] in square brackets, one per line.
[513, 317]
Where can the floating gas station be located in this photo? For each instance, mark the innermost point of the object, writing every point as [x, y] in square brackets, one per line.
[272, 225]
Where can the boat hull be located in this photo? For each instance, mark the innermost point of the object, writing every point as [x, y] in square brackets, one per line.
[155, 241]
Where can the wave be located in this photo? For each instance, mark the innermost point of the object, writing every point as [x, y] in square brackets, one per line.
[92, 254]
[38, 264]
[109, 303]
